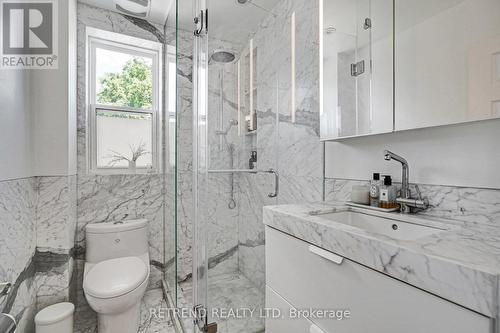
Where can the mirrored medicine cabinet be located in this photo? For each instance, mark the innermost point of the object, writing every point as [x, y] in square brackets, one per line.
[393, 65]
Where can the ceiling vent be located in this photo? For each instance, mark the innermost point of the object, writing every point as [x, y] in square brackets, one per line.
[139, 8]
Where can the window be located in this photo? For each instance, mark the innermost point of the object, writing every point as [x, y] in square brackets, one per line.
[124, 103]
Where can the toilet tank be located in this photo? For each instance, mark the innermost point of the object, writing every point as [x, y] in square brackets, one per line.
[111, 240]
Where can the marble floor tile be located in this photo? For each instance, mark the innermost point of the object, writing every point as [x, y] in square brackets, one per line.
[85, 318]
[232, 291]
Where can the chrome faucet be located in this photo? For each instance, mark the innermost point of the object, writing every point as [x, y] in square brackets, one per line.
[405, 200]
[405, 179]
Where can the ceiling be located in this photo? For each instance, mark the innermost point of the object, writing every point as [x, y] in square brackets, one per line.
[228, 20]
[410, 13]
[158, 11]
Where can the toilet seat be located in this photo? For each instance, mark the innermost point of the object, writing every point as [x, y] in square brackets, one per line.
[115, 277]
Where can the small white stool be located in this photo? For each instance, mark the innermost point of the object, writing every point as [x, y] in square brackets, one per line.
[57, 318]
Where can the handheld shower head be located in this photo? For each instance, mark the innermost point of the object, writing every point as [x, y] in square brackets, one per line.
[387, 155]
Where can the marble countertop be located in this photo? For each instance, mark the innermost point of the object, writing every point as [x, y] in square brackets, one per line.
[459, 264]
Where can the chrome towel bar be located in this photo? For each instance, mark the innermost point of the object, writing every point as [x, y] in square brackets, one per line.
[269, 171]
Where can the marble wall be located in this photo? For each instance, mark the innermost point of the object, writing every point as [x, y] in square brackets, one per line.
[291, 147]
[37, 219]
[18, 246]
[471, 206]
[55, 216]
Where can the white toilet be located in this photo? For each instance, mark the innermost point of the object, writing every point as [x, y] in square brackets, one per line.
[116, 273]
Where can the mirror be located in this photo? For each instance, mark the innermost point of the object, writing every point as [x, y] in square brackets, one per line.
[356, 44]
[447, 62]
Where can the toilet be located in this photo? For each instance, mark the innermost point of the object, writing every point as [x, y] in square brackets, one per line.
[116, 273]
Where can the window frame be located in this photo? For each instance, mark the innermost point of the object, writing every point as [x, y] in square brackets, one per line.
[170, 106]
[116, 42]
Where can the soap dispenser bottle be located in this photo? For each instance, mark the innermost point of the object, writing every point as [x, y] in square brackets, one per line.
[252, 162]
[388, 194]
[375, 184]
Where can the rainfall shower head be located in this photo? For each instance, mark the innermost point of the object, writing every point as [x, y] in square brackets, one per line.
[223, 56]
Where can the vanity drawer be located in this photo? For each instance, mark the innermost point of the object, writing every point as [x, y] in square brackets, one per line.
[310, 277]
[285, 324]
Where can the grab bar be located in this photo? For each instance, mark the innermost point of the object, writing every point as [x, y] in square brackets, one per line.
[270, 171]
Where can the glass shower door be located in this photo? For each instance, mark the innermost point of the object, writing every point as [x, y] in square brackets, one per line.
[242, 88]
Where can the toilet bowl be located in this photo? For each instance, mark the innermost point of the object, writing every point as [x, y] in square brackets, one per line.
[116, 273]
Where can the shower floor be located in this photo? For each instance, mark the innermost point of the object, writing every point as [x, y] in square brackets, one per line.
[86, 321]
[232, 291]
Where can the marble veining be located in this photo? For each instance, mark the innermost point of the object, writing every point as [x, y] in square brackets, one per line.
[53, 278]
[152, 302]
[37, 218]
[286, 146]
[56, 213]
[460, 264]
[471, 206]
[232, 291]
[18, 245]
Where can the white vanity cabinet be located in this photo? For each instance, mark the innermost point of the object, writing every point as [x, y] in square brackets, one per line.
[305, 276]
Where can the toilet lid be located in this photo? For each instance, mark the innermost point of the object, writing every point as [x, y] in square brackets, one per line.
[115, 277]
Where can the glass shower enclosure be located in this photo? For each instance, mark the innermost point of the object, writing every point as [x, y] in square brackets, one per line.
[240, 110]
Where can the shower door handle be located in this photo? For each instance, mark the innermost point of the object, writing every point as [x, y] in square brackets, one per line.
[276, 184]
[201, 23]
[198, 24]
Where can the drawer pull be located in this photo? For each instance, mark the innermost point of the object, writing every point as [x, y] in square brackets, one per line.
[315, 329]
[325, 254]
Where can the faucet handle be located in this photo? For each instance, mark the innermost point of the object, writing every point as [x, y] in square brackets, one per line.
[419, 203]
[417, 189]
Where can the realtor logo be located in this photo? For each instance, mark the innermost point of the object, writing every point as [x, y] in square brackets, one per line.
[29, 34]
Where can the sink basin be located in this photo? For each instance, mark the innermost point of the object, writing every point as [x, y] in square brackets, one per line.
[394, 228]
